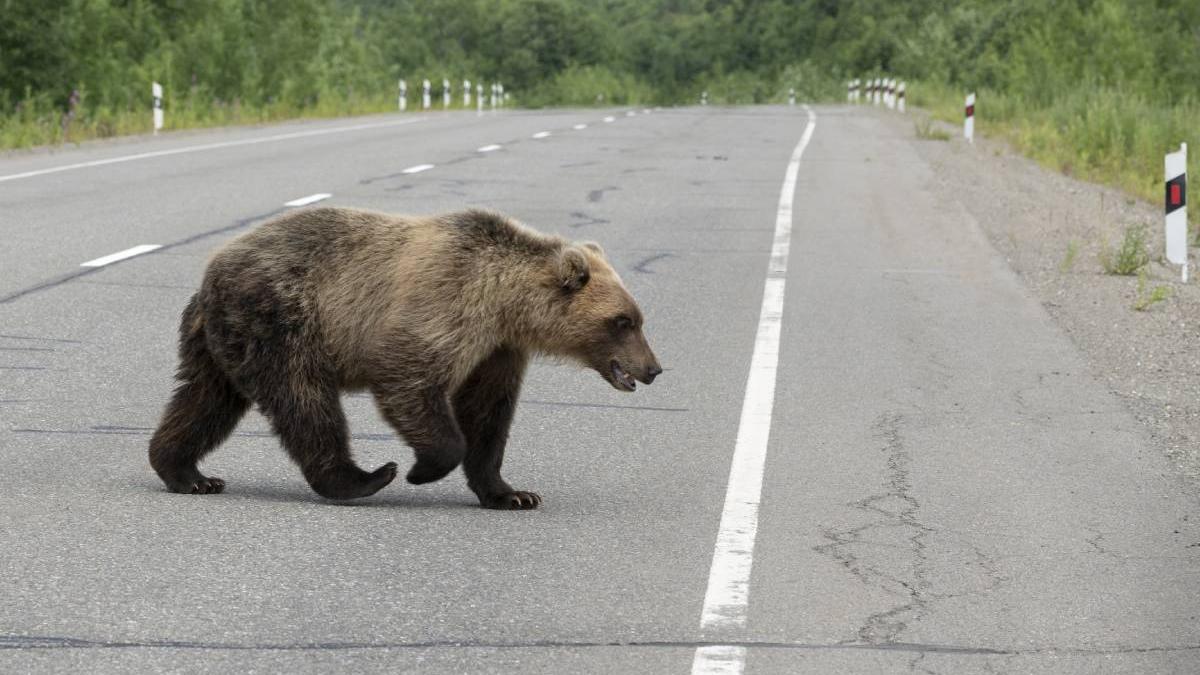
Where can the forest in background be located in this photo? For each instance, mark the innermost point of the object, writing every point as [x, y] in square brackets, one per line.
[1095, 88]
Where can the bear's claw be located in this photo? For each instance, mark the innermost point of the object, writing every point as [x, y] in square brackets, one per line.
[198, 486]
[517, 500]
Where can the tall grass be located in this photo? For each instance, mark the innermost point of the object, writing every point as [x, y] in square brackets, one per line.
[1099, 134]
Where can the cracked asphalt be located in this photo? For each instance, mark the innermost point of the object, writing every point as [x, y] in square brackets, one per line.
[947, 488]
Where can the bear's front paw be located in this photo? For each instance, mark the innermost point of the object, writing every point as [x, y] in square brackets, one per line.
[202, 485]
[516, 500]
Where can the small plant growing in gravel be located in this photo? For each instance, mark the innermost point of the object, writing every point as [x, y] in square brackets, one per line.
[926, 130]
[1069, 259]
[1144, 300]
[1130, 257]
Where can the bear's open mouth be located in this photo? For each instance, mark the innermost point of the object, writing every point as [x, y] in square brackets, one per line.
[623, 380]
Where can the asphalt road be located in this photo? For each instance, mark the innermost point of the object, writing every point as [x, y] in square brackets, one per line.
[946, 487]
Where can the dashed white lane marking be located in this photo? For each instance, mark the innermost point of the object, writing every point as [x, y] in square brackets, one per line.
[579, 127]
[541, 134]
[630, 113]
[206, 146]
[418, 168]
[610, 118]
[121, 255]
[646, 111]
[719, 660]
[489, 148]
[311, 199]
[727, 596]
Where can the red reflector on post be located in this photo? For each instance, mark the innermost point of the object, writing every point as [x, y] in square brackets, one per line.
[970, 111]
[1176, 197]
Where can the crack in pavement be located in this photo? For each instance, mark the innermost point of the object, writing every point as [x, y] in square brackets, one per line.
[11, 641]
[895, 511]
[895, 508]
[644, 265]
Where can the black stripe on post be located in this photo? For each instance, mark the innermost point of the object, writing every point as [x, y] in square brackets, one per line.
[1176, 194]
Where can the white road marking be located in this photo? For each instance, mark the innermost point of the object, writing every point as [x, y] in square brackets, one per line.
[206, 146]
[490, 148]
[630, 113]
[121, 255]
[719, 660]
[541, 134]
[311, 199]
[610, 118]
[728, 594]
[418, 168]
[646, 111]
[579, 127]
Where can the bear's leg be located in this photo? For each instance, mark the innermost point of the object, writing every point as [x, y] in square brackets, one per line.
[308, 417]
[278, 362]
[423, 417]
[484, 406]
[202, 413]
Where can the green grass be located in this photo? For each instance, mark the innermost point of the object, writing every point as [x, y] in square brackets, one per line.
[1069, 259]
[37, 124]
[1130, 257]
[926, 130]
[1144, 301]
[1098, 134]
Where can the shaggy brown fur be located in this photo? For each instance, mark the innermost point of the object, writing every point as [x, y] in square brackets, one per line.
[436, 316]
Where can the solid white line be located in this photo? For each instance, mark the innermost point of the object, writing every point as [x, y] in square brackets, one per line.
[719, 660]
[418, 168]
[207, 146]
[311, 199]
[610, 118]
[489, 148]
[541, 134]
[121, 255]
[728, 594]
[579, 127]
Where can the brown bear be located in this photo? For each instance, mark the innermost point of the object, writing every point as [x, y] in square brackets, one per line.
[436, 316]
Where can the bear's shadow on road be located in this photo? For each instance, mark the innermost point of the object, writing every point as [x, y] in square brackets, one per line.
[302, 497]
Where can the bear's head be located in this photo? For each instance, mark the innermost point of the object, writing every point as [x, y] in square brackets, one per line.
[599, 324]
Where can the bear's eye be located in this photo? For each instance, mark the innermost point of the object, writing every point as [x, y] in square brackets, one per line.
[623, 322]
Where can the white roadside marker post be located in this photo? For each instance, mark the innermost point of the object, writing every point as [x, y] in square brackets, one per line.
[969, 121]
[156, 91]
[792, 96]
[704, 98]
[425, 101]
[445, 93]
[850, 91]
[892, 94]
[1176, 208]
[900, 92]
[403, 96]
[492, 99]
[466, 94]
[500, 92]
[478, 98]
[857, 89]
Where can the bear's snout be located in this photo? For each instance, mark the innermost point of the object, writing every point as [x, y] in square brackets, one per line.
[652, 371]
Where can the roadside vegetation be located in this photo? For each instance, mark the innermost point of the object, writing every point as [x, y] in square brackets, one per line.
[1099, 89]
[1130, 256]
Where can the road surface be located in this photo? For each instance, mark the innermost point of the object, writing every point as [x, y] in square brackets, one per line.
[928, 479]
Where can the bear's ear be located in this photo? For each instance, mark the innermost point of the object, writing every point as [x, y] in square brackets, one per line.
[593, 247]
[573, 269]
